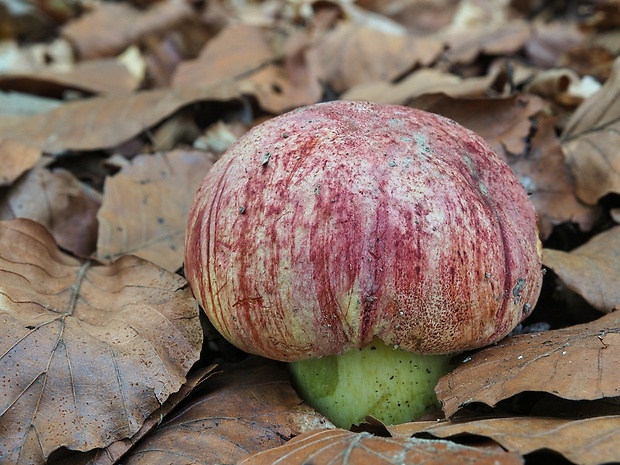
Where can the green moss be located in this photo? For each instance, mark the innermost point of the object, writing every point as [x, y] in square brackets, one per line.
[389, 384]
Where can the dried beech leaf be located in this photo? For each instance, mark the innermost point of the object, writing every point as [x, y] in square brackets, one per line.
[145, 207]
[577, 363]
[87, 352]
[545, 177]
[58, 201]
[17, 158]
[591, 139]
[589, 441]
[233, 53]
[351, 55]
[111, 454]
[336, 446]
[92, 37]
[503, 122]
[591, 270]
[247, 408]
[105, 122]
[465, 44]
[95, 76]
[423, 81]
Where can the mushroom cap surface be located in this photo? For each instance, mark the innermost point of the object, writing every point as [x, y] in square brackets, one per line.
[335, 223]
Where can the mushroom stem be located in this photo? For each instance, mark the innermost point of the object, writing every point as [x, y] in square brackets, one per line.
[387, 383]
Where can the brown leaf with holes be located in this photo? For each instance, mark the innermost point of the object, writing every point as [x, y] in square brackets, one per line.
[87, 352]
[544, 175]
[351, 55]
[591, 270]
[145, 207]
[588, 441]
[591, 139]
[104, 122]
[58, 201]
[577, 363]
[246, 408]
[336, 446]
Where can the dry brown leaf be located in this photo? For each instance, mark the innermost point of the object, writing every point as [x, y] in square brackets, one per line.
[591, 270]
[544, 175]
[92, 37]
[145, 207]
[247, 408]
[87, 352]
[577, 363]
[549, 41]
[336, 446]
[94, 76]
[421, 82]
[351, 55]
[104, 122]
[58, 201]
[17, 158]
[236, 51]
[111, 454]
[465, 44]
[589, 441]
[503, 122]
[591, 139]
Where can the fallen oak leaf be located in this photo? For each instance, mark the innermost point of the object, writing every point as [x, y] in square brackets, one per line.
[578, 363]
[87, 352]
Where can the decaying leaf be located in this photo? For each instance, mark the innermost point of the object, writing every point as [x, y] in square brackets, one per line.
[58, 201]
[145, 207]
[577, 363]
[591, 270]
[589, 441]
[341, 447]
[591, 139]
[247, 408]
[87, 352]
[17, 158]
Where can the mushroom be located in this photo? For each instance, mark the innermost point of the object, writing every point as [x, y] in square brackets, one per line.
[365, 243]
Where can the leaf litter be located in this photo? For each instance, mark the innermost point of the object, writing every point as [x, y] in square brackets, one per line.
[123, 89]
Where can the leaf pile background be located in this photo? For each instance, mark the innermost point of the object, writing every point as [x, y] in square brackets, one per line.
[111, 113]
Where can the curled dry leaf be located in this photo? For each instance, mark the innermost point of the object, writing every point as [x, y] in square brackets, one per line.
[589, 441]
[591, 270]
[246, 408]
[58, 201]
[336, 447]
[577, 363]
[103, 122]
[591, 139]
[145, 207]
[87, 352]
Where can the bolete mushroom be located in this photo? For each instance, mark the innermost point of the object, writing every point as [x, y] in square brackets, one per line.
[363, 242]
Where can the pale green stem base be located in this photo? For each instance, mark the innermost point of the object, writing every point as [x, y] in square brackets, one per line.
[391, 385]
